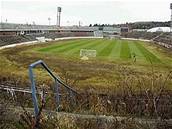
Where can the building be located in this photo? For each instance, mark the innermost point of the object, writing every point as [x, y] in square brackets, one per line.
[159, 29]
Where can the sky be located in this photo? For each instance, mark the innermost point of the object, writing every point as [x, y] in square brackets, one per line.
[85, 11]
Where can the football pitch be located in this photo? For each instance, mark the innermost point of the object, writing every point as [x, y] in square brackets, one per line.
[114, 60]
[124, 50]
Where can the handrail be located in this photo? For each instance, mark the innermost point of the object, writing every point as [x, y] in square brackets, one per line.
[49, 71]
[33, 86]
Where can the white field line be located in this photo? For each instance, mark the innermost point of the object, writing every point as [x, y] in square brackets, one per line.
[137, 39]
[36, 42]
[90, 37]
[18, 44]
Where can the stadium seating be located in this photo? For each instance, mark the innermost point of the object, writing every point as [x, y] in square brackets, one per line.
[164, 39]
[141, 35]
[9, 39]
[6, 40]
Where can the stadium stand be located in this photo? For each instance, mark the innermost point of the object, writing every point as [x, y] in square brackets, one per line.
[140, 35]
[164, 38]
[11, 39]
[26, 26]
[6, 40]
[16, 33]
[161, 38]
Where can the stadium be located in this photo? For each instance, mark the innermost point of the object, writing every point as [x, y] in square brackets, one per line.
[117, 71]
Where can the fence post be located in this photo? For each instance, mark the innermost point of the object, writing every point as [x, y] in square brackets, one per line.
[57, 93]
[33, 88]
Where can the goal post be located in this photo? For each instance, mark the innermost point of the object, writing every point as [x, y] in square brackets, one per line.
[87, 53]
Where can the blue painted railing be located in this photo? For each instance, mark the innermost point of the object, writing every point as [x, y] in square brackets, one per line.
[57, 80]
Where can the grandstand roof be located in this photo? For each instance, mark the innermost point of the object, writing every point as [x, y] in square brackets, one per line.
[18, 27]
[25, 27]
[12, 26]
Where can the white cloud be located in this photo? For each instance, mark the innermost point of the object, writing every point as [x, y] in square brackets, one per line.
[87, 11]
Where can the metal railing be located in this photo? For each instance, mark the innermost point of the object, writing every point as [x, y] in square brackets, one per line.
[57, 81]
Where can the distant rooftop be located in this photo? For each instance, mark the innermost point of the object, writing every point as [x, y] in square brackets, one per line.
[159, 29]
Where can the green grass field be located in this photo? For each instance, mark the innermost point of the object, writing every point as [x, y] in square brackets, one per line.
[113, 61]
[123, 50]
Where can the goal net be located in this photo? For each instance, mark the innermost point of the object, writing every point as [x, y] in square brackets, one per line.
[40, 39]
[87, 53]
